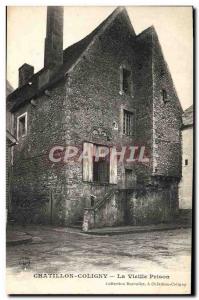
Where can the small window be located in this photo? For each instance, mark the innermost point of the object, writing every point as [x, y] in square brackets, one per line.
[128, 122]
[22, 125]
[186, 162]
[164, 96]
[126, 81]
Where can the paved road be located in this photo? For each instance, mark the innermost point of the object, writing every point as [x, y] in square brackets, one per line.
[67, 250]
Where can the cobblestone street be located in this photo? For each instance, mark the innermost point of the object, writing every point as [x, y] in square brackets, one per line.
[55, 250]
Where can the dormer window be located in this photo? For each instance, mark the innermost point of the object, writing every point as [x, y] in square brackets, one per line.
[22, 125]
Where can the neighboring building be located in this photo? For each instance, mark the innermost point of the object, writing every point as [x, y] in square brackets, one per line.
[111, 88]
[10, 142]
[185, 187]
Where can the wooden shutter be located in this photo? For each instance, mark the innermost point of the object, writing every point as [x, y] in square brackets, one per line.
[113, 166]
[88, 162]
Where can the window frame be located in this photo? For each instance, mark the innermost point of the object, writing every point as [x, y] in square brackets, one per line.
[126, 82]
[121, 90]
[131, 113]
[112, 176]
[26, 125]
[99, 162]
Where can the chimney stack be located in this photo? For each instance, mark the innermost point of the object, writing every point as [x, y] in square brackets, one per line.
[25, 73]
[54, 37]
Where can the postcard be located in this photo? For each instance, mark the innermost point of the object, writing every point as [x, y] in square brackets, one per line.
[99, 144]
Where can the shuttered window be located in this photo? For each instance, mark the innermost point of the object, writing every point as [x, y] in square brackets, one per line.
[101, 170]
[88, 162]
[113, 166]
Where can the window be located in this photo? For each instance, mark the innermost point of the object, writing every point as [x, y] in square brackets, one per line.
[126, 81]
[98, 167]
[22, 125]
[101, 170]
[186, 162]
[128, 122]
[164, 96]
[101, 164]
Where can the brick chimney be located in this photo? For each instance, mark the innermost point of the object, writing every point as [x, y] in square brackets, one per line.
[25, 73]
[54, 37]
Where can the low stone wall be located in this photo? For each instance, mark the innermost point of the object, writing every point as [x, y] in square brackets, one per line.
[152, 205]
[110, 213]
[140, 206]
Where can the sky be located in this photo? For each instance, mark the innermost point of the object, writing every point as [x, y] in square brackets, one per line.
[26, 31]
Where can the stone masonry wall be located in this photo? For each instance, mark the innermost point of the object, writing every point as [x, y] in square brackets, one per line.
[144, 99]
[152, 204]
[139, 206]
[166, 118]
[95, 102]
[89, 100]
[38, 185]
[112, 213]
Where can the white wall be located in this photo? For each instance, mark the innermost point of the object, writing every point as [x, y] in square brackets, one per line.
[185, 187]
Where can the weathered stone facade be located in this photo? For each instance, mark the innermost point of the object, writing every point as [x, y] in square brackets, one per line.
[83, 101]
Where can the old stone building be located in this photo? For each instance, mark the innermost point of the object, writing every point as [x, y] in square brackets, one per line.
[185, 187]
[110, 90]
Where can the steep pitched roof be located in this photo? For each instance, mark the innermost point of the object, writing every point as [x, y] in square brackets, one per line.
[156, 44]
[9, 88]
[151, 32]
[72, 53]
[71, 56]
[187, 117]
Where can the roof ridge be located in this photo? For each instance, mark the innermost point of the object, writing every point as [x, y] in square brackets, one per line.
[71, 57]
[98, 31]
[148, 29]
[115, 12]
[188, 109]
